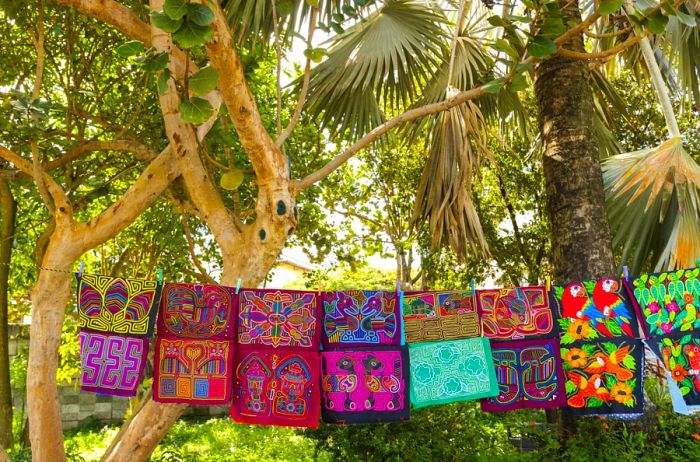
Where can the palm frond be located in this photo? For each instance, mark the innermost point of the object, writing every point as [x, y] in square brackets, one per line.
[683, 47]
[653, 207]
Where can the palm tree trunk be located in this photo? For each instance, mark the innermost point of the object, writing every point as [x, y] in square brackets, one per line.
[8, 210]
[581, 239]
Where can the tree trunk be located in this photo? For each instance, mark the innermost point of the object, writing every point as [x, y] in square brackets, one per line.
[8, 209]
[581, 239]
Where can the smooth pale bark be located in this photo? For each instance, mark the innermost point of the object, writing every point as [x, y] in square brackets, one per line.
[8, 213]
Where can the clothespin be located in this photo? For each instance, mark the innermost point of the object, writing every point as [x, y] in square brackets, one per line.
[238, 285]
[473, 285]
[548, 282]
[80, 269]
[626, 272]
[159, 272]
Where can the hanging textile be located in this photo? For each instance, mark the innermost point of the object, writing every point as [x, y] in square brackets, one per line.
[450, 371]
[116, 305]
[516, 313]
[365, 385]
[111, 364]
[276, 387]
[361, 318]
[529, 375]
[441, 315]
[197, 311]
[680, 354]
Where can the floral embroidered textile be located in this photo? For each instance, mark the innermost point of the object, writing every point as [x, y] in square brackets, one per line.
[441, 315]
[681, 357]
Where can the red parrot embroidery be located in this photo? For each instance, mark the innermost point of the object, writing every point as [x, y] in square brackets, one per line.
[611, 364]
[693, 353]
[605, 297]
[576, 304]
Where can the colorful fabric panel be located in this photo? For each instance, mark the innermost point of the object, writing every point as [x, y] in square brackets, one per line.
[365, 385]
[278, 318]
[198, 311]
[276, 387]
[193, 371]
[361, 318]
[111, 364]
[515, 313]
[116, 305]
[449, 371]
[593, 310]
[529, 375]
[605, 377]
[442, 315]
[668, 303]
[681, 357]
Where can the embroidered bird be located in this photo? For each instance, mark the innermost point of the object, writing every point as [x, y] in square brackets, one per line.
[611, 364]
[693, 353]
[605, 297]
[576, 304]
[587, 388]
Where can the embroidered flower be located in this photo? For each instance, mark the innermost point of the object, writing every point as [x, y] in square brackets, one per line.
[576, 357]
[654, 307]
[579, 329]
[688, 298]
[666, 327]
[621, 392]
[672, 307]
[679, 373]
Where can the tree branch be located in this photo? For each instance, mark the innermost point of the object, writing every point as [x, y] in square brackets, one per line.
[140, 151]
[603, 54]
[190, 244]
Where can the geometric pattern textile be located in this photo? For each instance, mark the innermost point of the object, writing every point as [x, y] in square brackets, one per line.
[515, 313]
[441, 315]
[361, 318]
[198, 311]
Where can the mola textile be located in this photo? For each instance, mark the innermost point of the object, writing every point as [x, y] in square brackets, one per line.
[278, 318]
[441, 315]
[365, 385]
[449, 371]
[590, 310]
[198, 311]
[680, 354]
[529, 375]
[604, 377]
[116, 305]
[111, 364]
[193, 371]
[276, 387]
[361, 318]
[516, 313]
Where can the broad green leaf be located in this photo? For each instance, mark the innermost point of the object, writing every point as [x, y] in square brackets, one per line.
[191, 35]
[684, 390]
[610, 347]
[157, 63]
[163, 81]
[175, 9]
[656, 23]
[196, 110]
[203, 81]
[541, 47]
[610, 381]
[165, 23]
[494, 86]
[232, 179]
[629, 362]
[131, 48]
[570, 387]
[609, 6]
[567, 339]
[507, 48]
[199, 14]
[553, 26]
[517, 83]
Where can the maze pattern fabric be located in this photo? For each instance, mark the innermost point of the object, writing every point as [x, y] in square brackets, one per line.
[361, 318]
[116, 305]
[443, 315]
[594, 310]
[449, 371]
[668, 302]
[276, 387]
[516, 313]
[604, 377]
[111, 364]
[681, 357]
[529, 375]
[199, 311]
[193, 371]
[278, 318]
[365, 385]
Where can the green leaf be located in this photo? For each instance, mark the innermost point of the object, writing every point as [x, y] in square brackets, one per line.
[196, 110]
[191, 35]
[684, 390]
[588, 348]
[199, 14]
[507, 48]
[165, 23]
[284, 8]
[514, 18]
[175, 9]
[558, 292]
[609, 6]
[157, 63]
[610, 381]
[592, 334]
[609, 347]
[656, 23]
[667, 341]
[541, 47]
[232, 179]
[496, 21]
[632, 383]
[570, 387]
[613, 327]
[131, 48]
[686, 19]
[553, 26]
[203, 81]
[629, 402]
[163, 81]
[567, 339]
[594, 402]
[629, 362]
[349, 10]
[315, 54]
[517, 83]
[494, 86]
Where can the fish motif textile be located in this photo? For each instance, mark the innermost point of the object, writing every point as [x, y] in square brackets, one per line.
[365, 385]
[117, 305]
[594, 310]
[276, 387]
[278, 318]
[529, 375]
[441, 315]
[515, 313]
[669, 302]
[681, 357]
[604, 377]
[449, 371]
[197, 311]
[193, 371]
[111, 364]
[361, 318]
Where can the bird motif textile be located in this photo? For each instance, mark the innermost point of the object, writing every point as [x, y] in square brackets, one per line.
[365, 385]
[515, 313]
[594, 310]
[198, 311]
[441, 315]
[361, 318]
[529, 375]
[681, 357]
